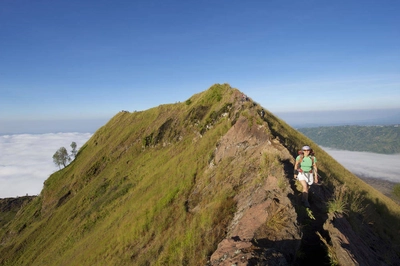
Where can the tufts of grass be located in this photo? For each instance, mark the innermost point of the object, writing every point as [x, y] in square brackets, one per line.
[282, 183]
[339, 203]
[278, 220]
[271, 163]
[331, 251]
[357, 202]
[347, 202]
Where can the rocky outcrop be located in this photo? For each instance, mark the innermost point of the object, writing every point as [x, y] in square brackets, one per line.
[264, 227]
[270, 227]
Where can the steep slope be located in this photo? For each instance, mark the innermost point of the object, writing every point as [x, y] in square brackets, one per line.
[207, 181]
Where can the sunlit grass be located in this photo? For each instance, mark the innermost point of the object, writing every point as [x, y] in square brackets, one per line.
[132, 199]
[339, 203]
[278, 220]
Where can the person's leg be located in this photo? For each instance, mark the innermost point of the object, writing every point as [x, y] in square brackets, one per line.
[304, 196]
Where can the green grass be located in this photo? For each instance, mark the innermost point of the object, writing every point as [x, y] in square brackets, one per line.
[339, 204]
[141, 191]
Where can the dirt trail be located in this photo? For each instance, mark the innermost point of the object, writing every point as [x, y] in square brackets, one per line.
[312, 250]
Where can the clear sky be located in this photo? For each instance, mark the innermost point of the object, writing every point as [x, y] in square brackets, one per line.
[91, 59]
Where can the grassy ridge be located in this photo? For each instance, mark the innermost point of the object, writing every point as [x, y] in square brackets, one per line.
[141, 190]
[115, 200]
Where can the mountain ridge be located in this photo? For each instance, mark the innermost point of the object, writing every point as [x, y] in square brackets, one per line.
[207, 181]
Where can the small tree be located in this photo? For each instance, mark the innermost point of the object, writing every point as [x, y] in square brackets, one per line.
[61, 157]
[73, 151]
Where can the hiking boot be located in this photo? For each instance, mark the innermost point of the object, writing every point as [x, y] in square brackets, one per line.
[306, 204]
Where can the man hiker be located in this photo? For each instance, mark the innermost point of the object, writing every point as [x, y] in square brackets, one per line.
[306, 171]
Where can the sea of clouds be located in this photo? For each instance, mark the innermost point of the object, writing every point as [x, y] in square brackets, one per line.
[367, 164]
[26, 161]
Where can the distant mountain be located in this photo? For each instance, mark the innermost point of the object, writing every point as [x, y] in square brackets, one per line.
[208, 181]
[376, 139]
[305, 119]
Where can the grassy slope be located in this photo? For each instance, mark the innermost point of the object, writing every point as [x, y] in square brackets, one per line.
[130, 194]
[119, 197]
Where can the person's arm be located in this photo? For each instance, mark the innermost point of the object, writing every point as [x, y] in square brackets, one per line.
[296, 167]
[315, 172]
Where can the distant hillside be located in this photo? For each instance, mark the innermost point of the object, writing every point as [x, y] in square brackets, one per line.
[208, 181]
[377, 139]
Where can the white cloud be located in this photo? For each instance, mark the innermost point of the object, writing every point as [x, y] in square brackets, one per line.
[26, 160]
[366, 164]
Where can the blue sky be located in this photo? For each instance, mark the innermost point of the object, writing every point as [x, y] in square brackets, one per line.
[76, 60]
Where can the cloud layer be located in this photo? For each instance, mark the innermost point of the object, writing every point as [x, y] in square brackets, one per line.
[366, 164]
[26, 160]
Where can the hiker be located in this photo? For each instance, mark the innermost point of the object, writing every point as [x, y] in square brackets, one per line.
[306, 171]
[262, 113]
[244, 97]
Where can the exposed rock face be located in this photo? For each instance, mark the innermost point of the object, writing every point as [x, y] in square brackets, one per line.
[267, 229]
[264, 227]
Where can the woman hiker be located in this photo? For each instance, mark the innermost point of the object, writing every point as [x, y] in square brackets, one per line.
[306, 171]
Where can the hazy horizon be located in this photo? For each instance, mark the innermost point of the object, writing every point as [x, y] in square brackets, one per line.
[294, 119]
